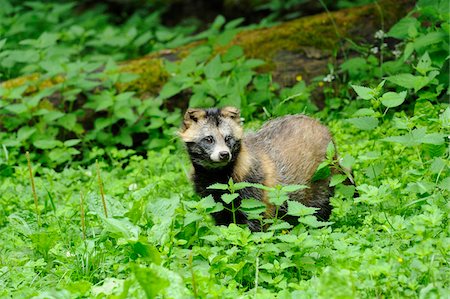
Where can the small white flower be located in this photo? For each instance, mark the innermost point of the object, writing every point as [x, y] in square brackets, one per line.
[68, 254]
[374, 50]
[383, 46]
[88, 173]
[397, 53]
[328, 78]
[133, 187]
[379, 34]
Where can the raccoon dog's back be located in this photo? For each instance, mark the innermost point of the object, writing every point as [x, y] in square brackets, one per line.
[285, 151]
[296, 145]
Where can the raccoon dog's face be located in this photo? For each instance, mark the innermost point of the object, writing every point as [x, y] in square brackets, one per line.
[212, 136]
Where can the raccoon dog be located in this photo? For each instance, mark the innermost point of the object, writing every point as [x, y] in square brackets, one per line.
[285, 151]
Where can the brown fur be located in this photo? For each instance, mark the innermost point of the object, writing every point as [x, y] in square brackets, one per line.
[285, 151]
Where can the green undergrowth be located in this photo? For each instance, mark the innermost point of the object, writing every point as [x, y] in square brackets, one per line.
[109, 211]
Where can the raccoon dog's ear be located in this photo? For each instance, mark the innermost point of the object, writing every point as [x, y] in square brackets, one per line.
[231, 112]
[193, 115]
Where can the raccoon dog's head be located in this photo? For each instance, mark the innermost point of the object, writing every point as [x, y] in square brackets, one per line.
[212, 136]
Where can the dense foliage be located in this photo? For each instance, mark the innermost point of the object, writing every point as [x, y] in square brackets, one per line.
[130, 225]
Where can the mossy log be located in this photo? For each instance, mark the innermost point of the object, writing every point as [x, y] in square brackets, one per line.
[300, 47]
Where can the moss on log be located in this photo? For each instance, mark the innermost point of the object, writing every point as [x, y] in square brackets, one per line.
[300, 47]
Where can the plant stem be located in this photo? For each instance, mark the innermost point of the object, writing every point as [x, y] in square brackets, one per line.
[233, 211]
[102, 193]
[194, 284]
[83, 225]
[33, 188]
[256, 276]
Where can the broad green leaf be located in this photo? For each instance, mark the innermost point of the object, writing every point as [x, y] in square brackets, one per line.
[444, 118]
[393, 99]
[214, 68]
[218, 186]
[298, 209]
[364, 112]
[233, 53]
[424, 64]
[364, 123]
[25, 132]
[47, 144]
[170, 89]
[279, 226]
[445, 184]
[312, 221]
[403, 80]
[416, 137]
[71, 142]
[364, 92]
[293, 188]
[242, 185]
[252, 205]
[427, 40]
[337, 179]
[228, 198]
[347, 161]
[151, 280]
[323, 171]
[121, 228]
[400, 29]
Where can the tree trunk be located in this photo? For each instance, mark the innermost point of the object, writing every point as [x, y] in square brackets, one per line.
[300, 47]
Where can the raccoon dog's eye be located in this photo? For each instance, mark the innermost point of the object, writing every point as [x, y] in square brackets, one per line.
[209, 139]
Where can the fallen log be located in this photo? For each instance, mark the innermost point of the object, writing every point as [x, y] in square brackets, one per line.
[300, 47]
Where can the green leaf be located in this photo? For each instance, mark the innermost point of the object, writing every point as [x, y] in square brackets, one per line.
[323, 171]
[444, 118]
[170, 89]
[364, 92]
[2, 43]
[424, 64]
[400, 29]
[403, 80]
[214, 68]
[337, 179]
[218, 186]
[347, 161]
[364, 123]
[410, 139]
[331, 151]
[228, 198]
[412, 82]
[298, 209]
[25, 132]
[293, 188]
[71, 142]
[393, 99]
[150, 280]
[427, 40]
[121, 228]
[252, 205]
[445, 184]
[279, 226]
[312, 221]
[233, 53]
[47, 144]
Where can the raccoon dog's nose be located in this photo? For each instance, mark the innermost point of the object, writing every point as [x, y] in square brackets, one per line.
[224, 156]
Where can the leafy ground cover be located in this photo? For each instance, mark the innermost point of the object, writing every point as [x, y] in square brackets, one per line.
[130, 225]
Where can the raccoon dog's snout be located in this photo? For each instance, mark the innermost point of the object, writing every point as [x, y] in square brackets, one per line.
[224, 156]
